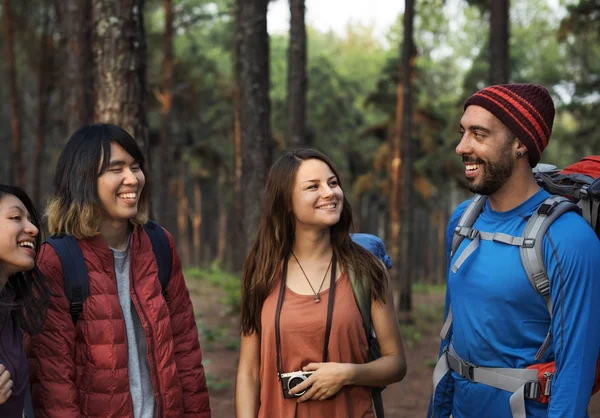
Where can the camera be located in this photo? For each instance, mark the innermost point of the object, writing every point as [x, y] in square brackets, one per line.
[291, 380]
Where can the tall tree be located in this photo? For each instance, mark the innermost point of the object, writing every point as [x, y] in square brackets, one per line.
[297, 80]
[78, 62]
[499, 36]
[119, 46]
[237, 232]
[17, 173]
[255, 107]
[407, 162]
[44, 70]
[166, 99]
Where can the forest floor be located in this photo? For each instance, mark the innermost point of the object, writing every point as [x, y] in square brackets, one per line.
[218, 327]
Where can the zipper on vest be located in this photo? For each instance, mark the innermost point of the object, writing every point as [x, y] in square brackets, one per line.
[151, 348]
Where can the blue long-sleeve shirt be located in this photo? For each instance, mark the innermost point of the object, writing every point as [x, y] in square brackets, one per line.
[499, 320]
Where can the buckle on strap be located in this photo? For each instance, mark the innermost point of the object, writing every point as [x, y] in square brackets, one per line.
[542, 283]
[528, 243]
[545, 208]
[460, 366]
[466, 232]
[532, 390]
[467, 371]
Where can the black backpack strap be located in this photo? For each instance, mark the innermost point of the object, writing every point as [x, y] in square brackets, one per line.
[162, 252]
[75, 273]
[28, 410]
[378, 403]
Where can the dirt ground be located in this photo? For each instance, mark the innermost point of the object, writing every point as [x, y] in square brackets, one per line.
[407, 399]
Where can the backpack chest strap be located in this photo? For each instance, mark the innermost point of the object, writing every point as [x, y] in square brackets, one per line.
[476, 235]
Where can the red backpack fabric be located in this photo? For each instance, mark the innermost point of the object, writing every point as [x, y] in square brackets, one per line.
[590, 166]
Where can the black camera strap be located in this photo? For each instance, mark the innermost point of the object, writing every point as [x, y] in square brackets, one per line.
[282, 287]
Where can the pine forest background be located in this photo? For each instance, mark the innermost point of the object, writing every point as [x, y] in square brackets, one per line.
[214, 100]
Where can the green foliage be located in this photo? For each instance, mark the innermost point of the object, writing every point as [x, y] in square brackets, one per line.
[210, 336]
[411, 336]
[214, 382]
[352, 84]
[228, 283]
[428, 289]
[342, 70]
[427, 318]
[202, 112]
[579, 34]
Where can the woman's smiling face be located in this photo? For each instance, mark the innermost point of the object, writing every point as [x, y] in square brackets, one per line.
[317, 198]
[17, 237]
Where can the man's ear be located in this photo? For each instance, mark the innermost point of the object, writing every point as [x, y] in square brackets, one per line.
[520, 149]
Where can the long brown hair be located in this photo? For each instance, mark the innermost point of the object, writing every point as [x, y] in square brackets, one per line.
[27, 291]
[275, 237]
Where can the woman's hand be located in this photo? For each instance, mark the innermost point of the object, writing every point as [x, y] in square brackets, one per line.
[327, 380]
[6, 384]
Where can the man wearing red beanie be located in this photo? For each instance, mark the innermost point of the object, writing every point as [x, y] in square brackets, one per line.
[504, 329]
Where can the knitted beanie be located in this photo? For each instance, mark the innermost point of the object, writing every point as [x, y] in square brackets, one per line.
[527, 110]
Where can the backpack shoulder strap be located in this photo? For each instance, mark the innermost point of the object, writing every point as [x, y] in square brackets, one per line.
[362, 295]
[162, 252]
[467, 220]
[463, 230]
[531, 251]
[75, 273]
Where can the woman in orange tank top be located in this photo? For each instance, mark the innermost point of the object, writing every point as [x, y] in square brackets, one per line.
[303, 348]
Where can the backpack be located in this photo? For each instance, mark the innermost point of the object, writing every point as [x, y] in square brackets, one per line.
[575, 188]
[362, 295]
[75, 273]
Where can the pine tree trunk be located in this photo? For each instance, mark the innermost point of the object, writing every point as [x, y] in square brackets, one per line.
[297, 79]
[222, 210]
[499, 36]
[17, 172]
[166, 98]
[197, 222]
[78, 59]
[183, 240]
[120, 66]
[237, 232]
[406, 232]
[44, 69]
[253, 42]
[396, 186]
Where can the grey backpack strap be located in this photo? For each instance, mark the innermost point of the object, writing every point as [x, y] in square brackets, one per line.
[466, 221]
[464, 230]
[445, 332]
[532, 255]
[589, 208]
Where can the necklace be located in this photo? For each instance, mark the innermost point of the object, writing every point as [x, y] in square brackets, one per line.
[316, 294]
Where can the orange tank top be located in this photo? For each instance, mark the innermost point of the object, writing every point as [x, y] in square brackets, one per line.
[302, 327]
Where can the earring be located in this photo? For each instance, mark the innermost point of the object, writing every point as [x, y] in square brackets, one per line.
[519, 154]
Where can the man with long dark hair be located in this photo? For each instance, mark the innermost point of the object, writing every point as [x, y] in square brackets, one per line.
[131, 348]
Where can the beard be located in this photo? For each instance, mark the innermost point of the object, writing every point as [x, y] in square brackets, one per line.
[494, 174]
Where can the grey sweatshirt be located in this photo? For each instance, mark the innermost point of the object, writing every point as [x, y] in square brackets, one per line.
[140, 382]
